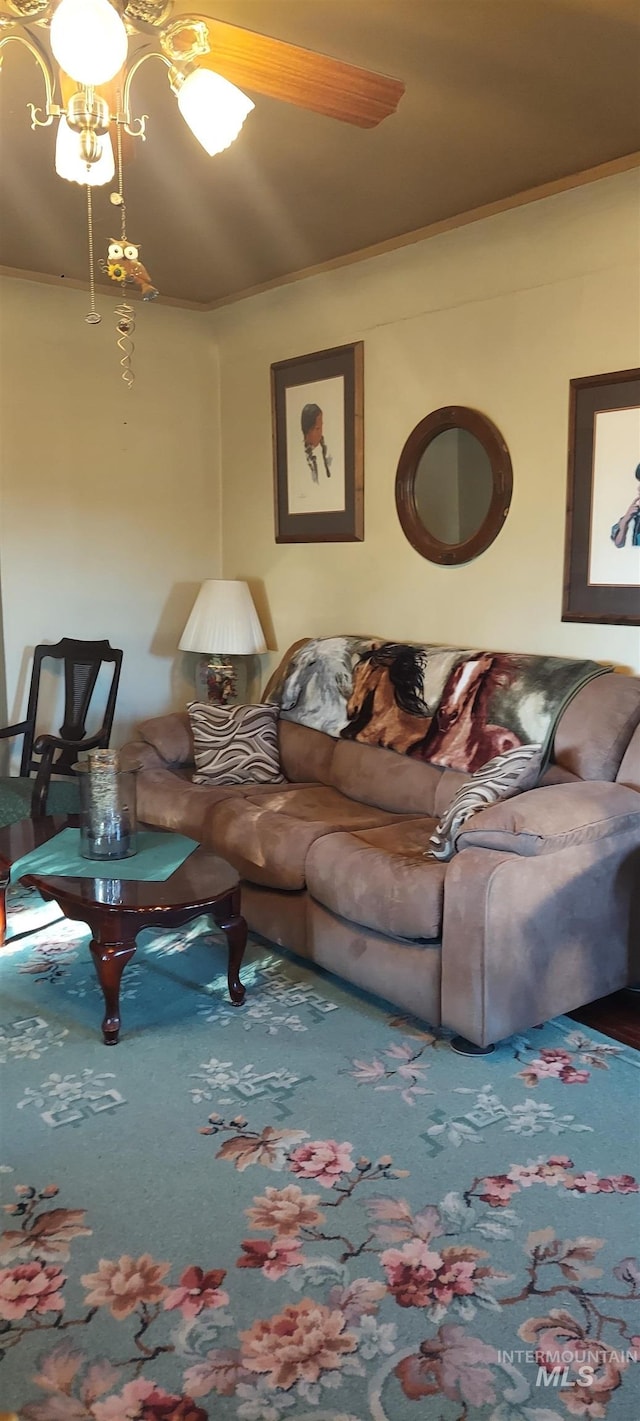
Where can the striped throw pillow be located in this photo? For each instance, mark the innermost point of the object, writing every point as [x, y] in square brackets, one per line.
[235, 744]
[501, 778]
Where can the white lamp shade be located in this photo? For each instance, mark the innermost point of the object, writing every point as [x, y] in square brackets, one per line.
[89, 40]
[213, 108]
[71, 165]
[223, 621]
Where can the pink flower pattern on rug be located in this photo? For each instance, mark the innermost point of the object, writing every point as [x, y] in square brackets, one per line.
[30, 1288]
[297, 1344]
[319, 1277]
[311, 1342]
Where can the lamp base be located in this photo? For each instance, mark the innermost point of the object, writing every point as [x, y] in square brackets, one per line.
[217, 680]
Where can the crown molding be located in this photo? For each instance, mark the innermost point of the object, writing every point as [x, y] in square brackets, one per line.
[421, 234]
[448, 224]
[46, 279]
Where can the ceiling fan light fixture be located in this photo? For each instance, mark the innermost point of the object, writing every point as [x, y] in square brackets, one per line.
[71, 164]
[214, 109]
[89, 40]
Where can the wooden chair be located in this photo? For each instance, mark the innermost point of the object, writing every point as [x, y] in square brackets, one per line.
[44, 755]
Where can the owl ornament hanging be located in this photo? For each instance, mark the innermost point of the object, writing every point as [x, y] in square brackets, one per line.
[123, 265]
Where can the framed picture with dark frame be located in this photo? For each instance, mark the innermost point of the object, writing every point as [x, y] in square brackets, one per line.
[318, 454]
[602, 543]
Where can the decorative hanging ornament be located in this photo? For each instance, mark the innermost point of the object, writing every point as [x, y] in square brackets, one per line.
[126, 324]
[122, 265]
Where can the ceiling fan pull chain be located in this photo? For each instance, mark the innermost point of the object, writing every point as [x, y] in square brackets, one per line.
[123, 214]
[92, 318]
[125, 315]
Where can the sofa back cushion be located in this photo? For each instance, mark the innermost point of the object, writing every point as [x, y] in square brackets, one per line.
[596, 727]
[305, 754]
[366, 773]
[447, 706]
[382, 777]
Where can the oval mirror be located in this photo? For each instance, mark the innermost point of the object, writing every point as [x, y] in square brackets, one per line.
[453, 485]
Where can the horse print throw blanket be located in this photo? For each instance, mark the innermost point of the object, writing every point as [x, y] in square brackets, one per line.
[458, 708]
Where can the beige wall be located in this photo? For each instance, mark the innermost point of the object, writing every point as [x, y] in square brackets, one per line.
[4, 746]
[109, 497]
[111, 500]
[498, 315]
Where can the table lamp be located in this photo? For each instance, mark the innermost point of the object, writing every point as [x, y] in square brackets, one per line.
[223, 623]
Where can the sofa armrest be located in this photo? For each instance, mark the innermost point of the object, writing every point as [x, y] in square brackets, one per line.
[526, 939]
[137, 755]
[554, 817]
[171, 737]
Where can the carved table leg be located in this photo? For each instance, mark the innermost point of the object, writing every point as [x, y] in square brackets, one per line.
[110, 960]
[228, 917]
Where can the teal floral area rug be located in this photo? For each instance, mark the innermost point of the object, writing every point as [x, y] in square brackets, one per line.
[305, 1209]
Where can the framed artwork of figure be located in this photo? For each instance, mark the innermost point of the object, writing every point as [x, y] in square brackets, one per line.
[602, 546]
[317, 427]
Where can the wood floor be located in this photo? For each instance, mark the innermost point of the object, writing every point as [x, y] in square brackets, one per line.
[617, 1016]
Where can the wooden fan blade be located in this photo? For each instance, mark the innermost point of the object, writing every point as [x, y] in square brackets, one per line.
[297, 76]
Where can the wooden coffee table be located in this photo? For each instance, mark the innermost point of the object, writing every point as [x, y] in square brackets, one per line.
[116, 910]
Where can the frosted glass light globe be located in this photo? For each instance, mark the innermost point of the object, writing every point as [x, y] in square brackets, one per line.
[88, 40]
[70, 163]
[213, 108]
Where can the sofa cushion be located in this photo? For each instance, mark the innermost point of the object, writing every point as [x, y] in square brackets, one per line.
[405, 972]
[170, 800]
[380, 776]
[305, 755]
[555, 817]
[501, 778]
[235, 744]
[596, 727]
[267, 834]
[171, 736]
[629, 772]
[380, 879]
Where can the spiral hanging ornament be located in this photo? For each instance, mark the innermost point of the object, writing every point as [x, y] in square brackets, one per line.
[126, 324]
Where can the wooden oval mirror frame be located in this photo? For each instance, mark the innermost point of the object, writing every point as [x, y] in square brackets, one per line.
[450, 418]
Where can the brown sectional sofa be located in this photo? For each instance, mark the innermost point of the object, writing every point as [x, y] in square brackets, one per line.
[536, 914]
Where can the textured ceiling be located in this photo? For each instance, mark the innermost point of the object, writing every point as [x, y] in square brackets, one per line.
[501, 96]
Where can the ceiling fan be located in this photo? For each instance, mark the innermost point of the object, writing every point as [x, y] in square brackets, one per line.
[274, 67]
[207, 60]
[89, 52]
